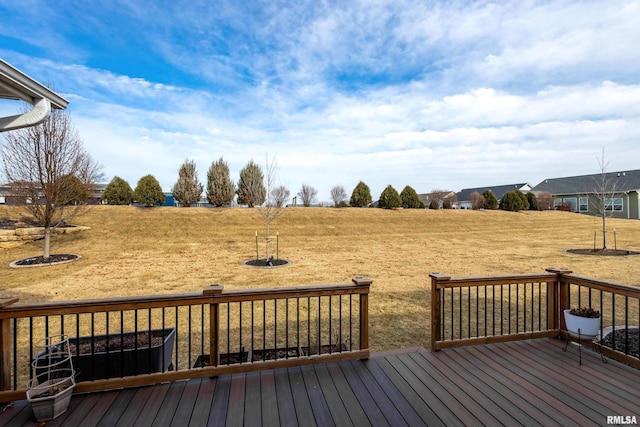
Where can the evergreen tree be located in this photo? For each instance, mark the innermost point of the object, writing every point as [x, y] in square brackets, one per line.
[524, 199]
[533, 202]
[148, 191]
[389, 198]
[511, 202]
[251, 189]
[410, 199]
[490, 201]
[118, 192]
[187, 189]
[361, 195]
[220, 187]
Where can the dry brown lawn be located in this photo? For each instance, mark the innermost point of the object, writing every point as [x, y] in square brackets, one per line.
[138, 251]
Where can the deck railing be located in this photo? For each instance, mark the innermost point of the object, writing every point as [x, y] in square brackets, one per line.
[479, 310]
[202, 334]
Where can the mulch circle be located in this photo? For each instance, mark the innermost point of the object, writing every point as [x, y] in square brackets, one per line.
[602, 252]
[267, 263]
[39, 261]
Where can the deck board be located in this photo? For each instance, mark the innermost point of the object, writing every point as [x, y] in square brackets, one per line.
[519, 383]
[203, 404]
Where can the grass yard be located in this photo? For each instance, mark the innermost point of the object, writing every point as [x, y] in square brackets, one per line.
[138, 251]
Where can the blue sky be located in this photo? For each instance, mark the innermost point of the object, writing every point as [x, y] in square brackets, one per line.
[436, 95]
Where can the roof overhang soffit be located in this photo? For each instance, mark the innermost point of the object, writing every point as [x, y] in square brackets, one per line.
[14, 84]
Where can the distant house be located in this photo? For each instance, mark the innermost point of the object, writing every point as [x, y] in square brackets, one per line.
[440, 196]
[464, 196]
[579, 193]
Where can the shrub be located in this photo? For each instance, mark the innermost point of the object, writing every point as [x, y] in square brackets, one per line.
[511, 202]
[524, 199]
[533, 203]
[308, 195]
[477, 200]
[410, 199]
[338, 195]
[389, 198]
[490, 201]
[148, 191]
[361, 195]
[118, 192]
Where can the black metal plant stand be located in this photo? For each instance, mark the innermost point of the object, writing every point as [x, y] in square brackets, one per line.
[580, 339]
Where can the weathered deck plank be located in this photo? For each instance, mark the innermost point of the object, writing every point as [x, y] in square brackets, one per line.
[529, 382]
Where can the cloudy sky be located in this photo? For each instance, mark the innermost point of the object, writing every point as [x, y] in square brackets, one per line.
[436, 95]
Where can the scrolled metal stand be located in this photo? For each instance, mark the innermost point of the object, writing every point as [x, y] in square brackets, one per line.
[580, 347]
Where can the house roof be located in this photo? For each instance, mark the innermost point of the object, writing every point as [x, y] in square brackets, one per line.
[622, 181]
[16, 85]
[499, 191]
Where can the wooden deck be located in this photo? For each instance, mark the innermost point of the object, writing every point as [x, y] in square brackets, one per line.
[522, 383]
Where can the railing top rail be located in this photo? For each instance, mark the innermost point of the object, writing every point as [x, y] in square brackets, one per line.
[236, 295]
[214, 293]
[101, 304]
[443, 281]
[620, 289]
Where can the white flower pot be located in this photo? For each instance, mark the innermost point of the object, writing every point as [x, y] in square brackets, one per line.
[582, 327]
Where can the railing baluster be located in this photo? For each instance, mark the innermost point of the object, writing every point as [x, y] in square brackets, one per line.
[240, 348]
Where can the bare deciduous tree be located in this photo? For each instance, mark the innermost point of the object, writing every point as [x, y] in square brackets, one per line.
[339, 196]
[280, 195]
[308, 195]
[477, 200]
[49, 171]
[544, 201]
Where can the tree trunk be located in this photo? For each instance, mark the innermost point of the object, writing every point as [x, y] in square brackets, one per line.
[604, 231]
[47, 243]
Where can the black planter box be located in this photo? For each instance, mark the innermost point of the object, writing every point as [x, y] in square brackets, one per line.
[122, 363]
[225, 359]
[275, 354]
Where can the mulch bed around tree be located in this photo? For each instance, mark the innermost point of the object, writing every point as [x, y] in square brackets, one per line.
[633, 335]
[40, 260]
[263, 262]
[602, 252]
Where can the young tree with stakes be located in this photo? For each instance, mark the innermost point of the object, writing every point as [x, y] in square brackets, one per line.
[275, 202]
[49, 171]
[605, 189]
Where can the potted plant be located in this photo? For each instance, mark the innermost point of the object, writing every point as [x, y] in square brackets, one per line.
[583, 322]
[50, 389]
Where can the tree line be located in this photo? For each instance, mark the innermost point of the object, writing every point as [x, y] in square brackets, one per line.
[250, 190]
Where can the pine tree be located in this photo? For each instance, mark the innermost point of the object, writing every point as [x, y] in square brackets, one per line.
[148, 191]
[490, 201]
[410, 199]
[118, 192]
[361, 195]
[187, 189]
[251, 189]
[389, 198]
[220, 187]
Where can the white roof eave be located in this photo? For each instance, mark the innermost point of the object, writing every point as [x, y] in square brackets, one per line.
[14, 84]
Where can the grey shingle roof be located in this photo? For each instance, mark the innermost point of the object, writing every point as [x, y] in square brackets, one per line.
[498, 191]
[616, 181]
